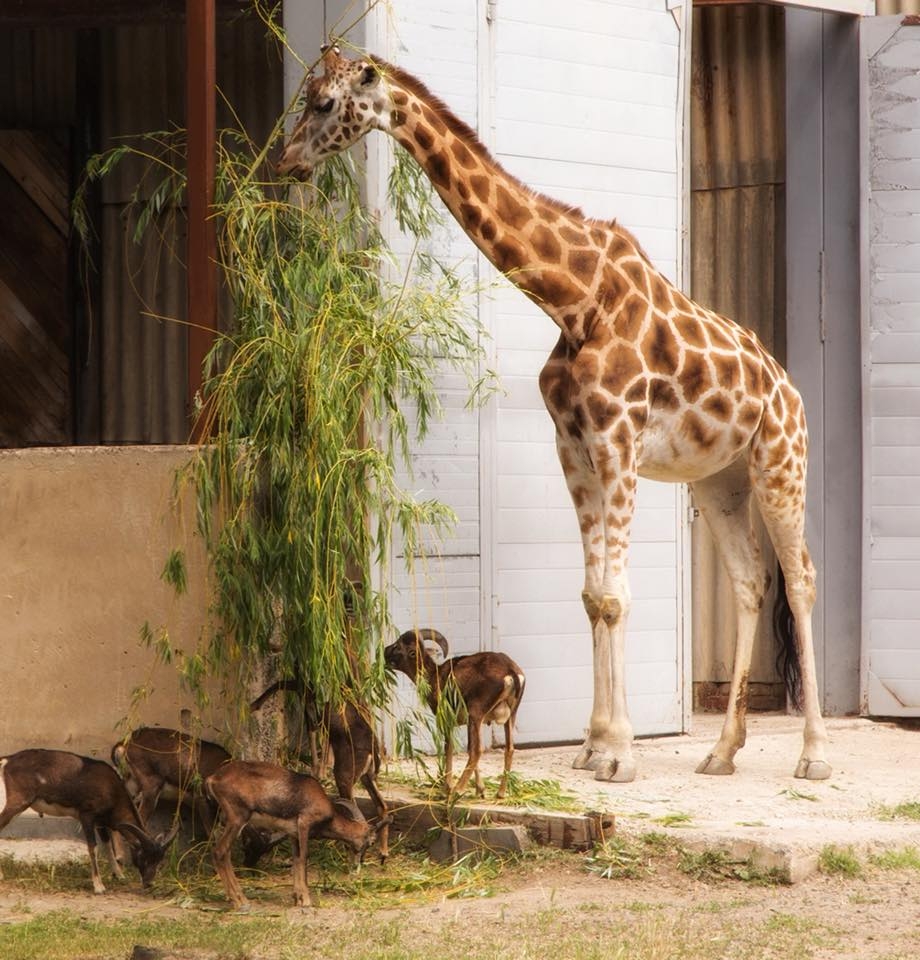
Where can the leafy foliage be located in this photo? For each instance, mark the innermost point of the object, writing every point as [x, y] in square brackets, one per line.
[315, 395]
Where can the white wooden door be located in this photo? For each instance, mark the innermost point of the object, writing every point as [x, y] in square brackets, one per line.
[890, 89]
[581, 102]
[585, 110]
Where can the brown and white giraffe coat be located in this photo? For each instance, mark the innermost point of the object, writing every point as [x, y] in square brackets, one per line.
[643, 381]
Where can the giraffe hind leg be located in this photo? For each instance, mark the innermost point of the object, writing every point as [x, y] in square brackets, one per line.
[782, 506]
[724, 501]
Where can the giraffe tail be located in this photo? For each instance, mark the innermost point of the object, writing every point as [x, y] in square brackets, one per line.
[787, 659]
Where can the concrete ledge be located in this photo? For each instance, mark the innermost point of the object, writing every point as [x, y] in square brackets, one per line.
[790, 864]
[420, 820]
[33, 826]
[457, 843]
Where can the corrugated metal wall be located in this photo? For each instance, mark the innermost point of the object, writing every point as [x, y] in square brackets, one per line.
[738, 268]
[130, 363]
[143, 357]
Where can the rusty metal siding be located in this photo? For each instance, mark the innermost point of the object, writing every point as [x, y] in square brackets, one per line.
[738, 268]
[36, 77]
[143, 376]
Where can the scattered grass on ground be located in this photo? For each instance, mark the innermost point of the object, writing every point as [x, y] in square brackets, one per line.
[838, 861]
[909, 810]
[908, 858]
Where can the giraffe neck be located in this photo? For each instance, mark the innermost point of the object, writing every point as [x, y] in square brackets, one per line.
[556, 256]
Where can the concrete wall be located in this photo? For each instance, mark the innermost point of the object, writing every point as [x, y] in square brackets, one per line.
[85, 534]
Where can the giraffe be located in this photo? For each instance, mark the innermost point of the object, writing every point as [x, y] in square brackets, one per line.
[641, 382]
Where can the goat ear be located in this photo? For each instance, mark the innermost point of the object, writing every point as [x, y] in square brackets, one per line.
[349, 808]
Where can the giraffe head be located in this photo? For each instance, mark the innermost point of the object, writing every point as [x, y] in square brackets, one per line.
[341, 106]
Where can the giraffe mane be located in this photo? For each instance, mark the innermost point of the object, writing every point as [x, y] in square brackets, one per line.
[468, 136]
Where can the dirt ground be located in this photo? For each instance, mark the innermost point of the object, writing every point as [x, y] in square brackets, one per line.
[875, 768]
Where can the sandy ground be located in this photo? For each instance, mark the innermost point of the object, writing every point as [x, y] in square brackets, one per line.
[873, 918]
[876, 765]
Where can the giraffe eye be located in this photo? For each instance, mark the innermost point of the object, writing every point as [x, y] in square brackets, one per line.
[368, 76]
[325, 106]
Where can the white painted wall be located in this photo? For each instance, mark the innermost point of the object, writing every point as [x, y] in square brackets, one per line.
[890, 84]
[581, 102]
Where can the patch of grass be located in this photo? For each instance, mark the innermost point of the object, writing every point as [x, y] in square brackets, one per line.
[907, 858]
[716, 865]
[617, 859]
[539, 794]
[794, 794]
[836, 861]
[909, 810]
[674, 819]
[658, 843]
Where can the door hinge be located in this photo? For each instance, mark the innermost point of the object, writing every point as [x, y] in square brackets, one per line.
[693, 513]
[490, 10]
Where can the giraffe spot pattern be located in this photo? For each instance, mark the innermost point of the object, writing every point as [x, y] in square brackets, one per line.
[660, 348]
[509, 210]
[552, 287]
[438, 166]
[630, 317]
[602, 411]
[583, 263]
[545, 244]
[480, 186]
[575, 237]
[693, 376]
[509, 254]
[622, 367]
[464, 157]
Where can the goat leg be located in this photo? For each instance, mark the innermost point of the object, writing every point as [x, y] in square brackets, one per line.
[299, 866]
[89, 834]
[224, 868]
[383, 835]
[509, 754]
[472, 764]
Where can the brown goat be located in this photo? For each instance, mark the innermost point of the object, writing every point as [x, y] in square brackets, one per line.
[355, 749]
[262, 794]
[489, 683]
[165, 763]
[63, 784]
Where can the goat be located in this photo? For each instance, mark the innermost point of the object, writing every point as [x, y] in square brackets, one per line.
[63, 784]
[355, 749]
[263, 794]
[490, 685]
[171, 764]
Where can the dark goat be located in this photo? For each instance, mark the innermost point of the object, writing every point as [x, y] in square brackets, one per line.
[166, 763]
[62, 784]
[262, 794]
[490, 684]
[355, 749]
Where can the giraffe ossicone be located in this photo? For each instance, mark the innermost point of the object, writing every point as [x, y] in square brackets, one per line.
[642, 382]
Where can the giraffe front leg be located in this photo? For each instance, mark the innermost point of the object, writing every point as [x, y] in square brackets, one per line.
[607, 749]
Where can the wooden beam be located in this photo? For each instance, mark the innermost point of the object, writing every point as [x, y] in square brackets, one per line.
[201, 259]
[103, 13]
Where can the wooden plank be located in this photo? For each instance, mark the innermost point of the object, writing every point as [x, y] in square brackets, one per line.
[28, 161]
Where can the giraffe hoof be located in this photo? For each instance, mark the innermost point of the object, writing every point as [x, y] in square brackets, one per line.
[616, 771]
[715, 766]
[582, 761]
[813, 769]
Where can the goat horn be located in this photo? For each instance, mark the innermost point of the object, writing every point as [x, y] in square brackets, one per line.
[430, 635]
[351, 808]
[140, 835]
